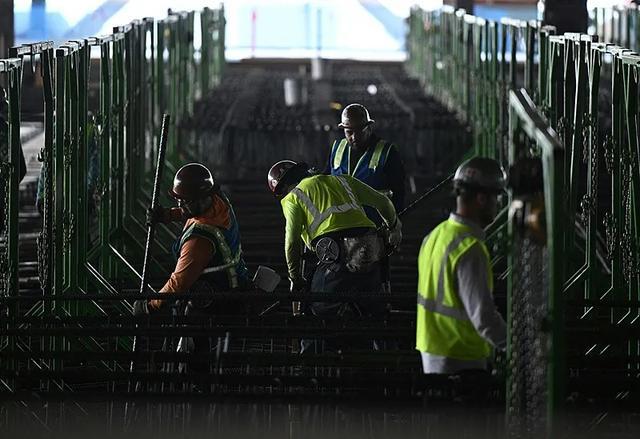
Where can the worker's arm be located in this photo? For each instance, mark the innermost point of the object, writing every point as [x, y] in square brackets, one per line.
[195, 255]
[371, 197]
[293, 243]
[395, 175]
[473, 289]
[164, 215]
[175, 214]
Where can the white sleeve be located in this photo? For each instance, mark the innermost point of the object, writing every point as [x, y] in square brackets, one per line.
[473, 289]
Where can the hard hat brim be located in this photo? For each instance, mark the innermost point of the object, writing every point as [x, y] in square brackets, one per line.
[369, 122]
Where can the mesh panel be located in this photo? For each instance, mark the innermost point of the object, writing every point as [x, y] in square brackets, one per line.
[527, 388]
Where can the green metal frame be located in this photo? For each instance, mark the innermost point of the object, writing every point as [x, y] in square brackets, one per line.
[482, 55]
[147, 68]
[525, 118]
[11, 69]
[564, 76]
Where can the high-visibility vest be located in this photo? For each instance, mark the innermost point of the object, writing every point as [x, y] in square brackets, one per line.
[227, 268]
[370, 167]
[443, 326]
[328, 205]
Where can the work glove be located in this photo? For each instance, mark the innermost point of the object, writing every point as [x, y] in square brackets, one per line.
[158, 215]
[140, 307]
[395, 234]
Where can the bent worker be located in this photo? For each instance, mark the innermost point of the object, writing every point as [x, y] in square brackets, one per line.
[326, 213]
[209, 254]
[209, 247]
[457, 320]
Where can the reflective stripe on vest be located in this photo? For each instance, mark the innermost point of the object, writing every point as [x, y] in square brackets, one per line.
[337, 158]
[230, 261]
[374, 162]
[438, 306]
[320, 217]
[377, 155]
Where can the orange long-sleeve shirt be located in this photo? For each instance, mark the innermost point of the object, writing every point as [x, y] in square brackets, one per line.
[197, 252]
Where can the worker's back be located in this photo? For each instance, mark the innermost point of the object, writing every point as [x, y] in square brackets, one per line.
[329, 205]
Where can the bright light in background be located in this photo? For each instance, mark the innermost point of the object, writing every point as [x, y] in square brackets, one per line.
[360, 29]
[357, 29]
[71, 11]
[605, 3]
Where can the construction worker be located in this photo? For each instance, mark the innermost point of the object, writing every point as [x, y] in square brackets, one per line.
[365, 156]
[457, 320]
[371, 160]
[326, 213]
[208, 251]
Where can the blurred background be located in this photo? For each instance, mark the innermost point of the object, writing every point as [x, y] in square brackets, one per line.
[357, 29]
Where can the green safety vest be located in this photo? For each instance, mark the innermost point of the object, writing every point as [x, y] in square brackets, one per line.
[224, 260]
[328, 204]
[443, 326]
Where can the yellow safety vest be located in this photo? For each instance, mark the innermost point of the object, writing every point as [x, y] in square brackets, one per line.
[328, 204]
[443, 326]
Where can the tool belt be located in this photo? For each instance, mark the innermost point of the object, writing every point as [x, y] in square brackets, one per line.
[358, 254]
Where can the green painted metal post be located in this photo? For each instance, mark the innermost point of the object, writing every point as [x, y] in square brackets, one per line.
[105, 120]
[593, 145]
[10, 172]
[45, 248]
[118, 105]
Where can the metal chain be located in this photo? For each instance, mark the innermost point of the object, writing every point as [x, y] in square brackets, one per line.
[5, 282]
[586, 125]
[609, 152]
[44, 240]
[595, 159]
[611, 233]
[527, 394]
[5, 173]
[627, 240]
[586, 208]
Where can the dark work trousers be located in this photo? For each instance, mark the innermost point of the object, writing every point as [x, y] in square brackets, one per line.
[335, 278]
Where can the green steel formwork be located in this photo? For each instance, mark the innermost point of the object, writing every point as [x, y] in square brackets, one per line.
[535, 358]
[11, 72]
[595, 220]
[447, 44]
[146, 68]
[43, 53]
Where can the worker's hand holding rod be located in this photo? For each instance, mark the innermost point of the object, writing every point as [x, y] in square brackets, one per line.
[141, 306]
